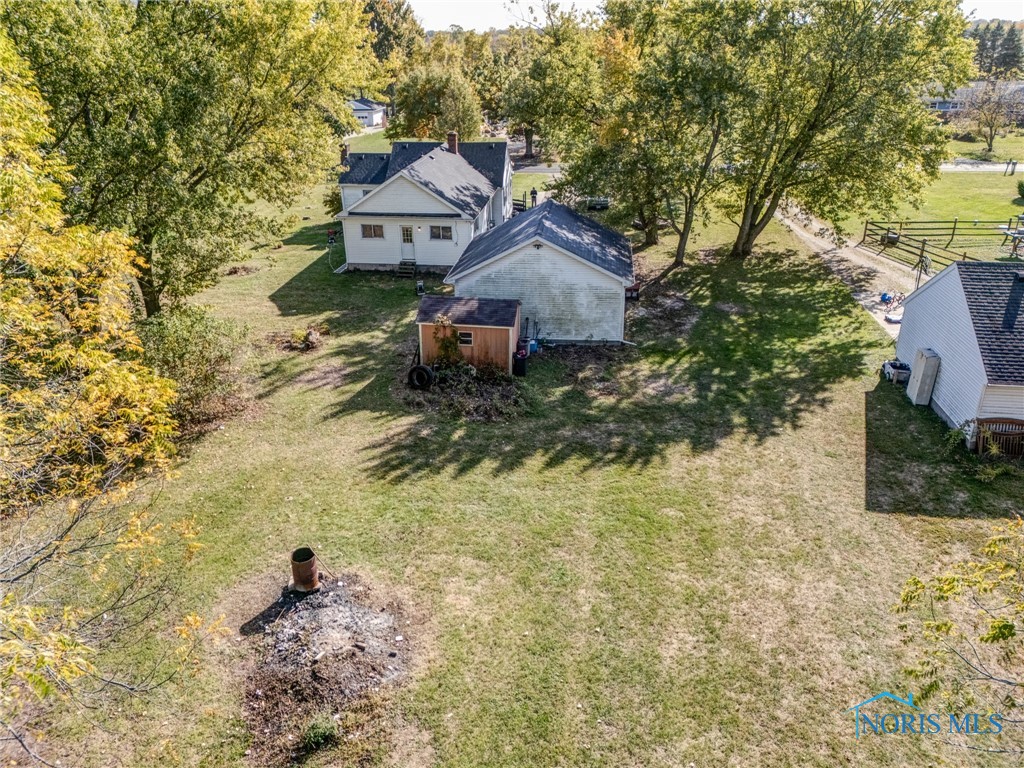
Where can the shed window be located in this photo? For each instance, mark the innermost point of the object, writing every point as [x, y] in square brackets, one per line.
[373, 231]
[440, 233]
[465, 338]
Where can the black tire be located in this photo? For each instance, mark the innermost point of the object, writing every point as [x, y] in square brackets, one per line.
[421, 377]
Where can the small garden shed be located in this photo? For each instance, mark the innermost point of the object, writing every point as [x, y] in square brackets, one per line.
[971, 318]
[486, 329]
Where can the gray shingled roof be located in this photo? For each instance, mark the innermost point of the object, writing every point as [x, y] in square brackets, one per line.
[488, 157]
[365, 104]
[469, 311]
[558, 225]
[365, 168]
[453, 179]
[405, 153]
[995, 298]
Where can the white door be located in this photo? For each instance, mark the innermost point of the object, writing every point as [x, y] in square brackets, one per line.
[408, 248]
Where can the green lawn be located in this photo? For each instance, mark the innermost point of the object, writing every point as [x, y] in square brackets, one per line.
[683, 555]
[522, 183]
[1009, 147]
[369, 142]
[968, 196]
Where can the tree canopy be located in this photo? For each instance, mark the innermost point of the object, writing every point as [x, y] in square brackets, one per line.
[223, 103]
[431, 101]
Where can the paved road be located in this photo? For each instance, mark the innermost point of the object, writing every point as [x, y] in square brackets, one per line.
[979, 165]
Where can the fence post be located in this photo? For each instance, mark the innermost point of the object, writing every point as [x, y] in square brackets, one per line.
[956, 219]
[865, 237]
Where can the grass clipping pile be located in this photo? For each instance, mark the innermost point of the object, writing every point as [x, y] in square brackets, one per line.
[485, 393]
[326, 660]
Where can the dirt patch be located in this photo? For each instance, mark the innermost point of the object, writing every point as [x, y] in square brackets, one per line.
[484, 394]
[301, 339]
[324, 664]
[324, 376]
[242, 269]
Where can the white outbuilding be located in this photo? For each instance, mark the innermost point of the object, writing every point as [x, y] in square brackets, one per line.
[969, 319]
[569, 272]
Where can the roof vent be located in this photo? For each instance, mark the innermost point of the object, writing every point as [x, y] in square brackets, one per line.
[1020, 276]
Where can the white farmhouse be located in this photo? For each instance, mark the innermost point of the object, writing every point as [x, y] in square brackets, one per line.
[368, 112]
[971, 316]
[569, 272]
[422, 203]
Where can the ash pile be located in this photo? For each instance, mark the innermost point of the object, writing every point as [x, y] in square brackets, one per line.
[325, 659]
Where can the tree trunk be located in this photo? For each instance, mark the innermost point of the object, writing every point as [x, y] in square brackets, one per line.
[757, 212]
[147, 284]
[528, 135]
[650, 227]
[684, 236]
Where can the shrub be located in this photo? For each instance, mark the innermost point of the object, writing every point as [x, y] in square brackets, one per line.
[1020, 189]
[206, 357]
[320, 731]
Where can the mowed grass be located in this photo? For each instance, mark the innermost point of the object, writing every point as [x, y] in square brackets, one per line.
[1004, 148]
[369, 142]
[684, 556]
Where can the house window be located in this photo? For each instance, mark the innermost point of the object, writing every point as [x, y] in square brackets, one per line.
[440, 233]
[465, 338]
[406, 234]
[373, 231]
[366, 192]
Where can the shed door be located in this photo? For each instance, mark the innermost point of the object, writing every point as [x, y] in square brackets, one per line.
[408, 248]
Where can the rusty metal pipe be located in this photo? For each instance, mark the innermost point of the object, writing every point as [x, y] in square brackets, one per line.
[305, 575]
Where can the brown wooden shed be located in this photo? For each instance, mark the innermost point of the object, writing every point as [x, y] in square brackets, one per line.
[488, 328]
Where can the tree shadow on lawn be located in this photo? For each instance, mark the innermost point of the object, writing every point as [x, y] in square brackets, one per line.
[752, 348]
[909, 470]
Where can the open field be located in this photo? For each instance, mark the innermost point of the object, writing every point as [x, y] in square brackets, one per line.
[684, 554]
[1009, 147]
[369, 142]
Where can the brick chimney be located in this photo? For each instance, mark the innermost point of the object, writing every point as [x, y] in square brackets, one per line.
[453, 142]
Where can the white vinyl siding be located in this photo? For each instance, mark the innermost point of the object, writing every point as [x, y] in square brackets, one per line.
[350, 195]
[936, 316]
[568, 299]
[399, 195]
[388, 252]
[1002, 402]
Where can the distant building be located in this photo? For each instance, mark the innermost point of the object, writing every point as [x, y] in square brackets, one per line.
[368, 112]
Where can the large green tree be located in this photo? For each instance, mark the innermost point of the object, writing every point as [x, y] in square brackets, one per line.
[431, 101]
[827, 113]
[80, 418]
[177, 114]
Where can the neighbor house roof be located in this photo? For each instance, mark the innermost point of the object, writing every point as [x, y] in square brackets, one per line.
[365, 104]
[558, 225]
[995, 295]
[499, 313]
[368, 168]
[453, 179]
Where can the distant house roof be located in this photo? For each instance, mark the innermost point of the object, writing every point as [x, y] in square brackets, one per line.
[365, 105]
[558, 225]
[452, 179]
[486, 157]
[499, 313]
[995, 298]
[369, 168]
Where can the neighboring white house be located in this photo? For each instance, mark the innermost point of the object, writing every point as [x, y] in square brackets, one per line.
[971, 315]
[423, 203]
[569, 272]
[368, 112]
